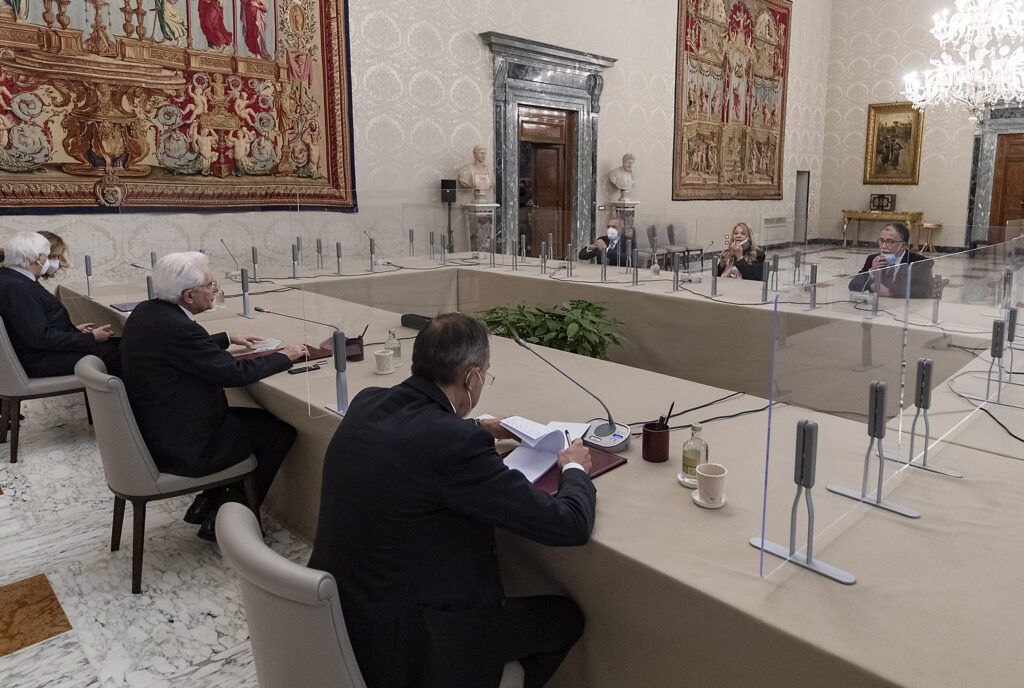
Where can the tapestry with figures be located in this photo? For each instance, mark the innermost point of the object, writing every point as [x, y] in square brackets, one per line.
[732, 57]
[166, 104]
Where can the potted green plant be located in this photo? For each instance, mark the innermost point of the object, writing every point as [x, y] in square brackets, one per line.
[577, 326]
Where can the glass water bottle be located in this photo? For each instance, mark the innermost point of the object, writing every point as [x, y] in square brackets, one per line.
[395, 347]
[695, 451]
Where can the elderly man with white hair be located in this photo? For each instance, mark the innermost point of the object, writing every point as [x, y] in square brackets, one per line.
[175, 373]
[39, 326]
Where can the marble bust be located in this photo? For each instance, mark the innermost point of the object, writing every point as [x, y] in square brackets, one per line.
[622, 177]
[477, 175]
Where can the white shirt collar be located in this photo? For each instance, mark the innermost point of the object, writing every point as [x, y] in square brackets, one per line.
[186, 312]
[26, 273]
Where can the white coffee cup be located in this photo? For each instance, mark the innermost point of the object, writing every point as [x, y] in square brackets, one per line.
[711, 483]
[385, 361]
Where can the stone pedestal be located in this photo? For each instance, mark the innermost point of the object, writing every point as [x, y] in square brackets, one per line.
[480, 225]
[625, 211]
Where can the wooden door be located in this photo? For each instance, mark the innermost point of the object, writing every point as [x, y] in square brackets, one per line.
[1007, 185]
[546, 138]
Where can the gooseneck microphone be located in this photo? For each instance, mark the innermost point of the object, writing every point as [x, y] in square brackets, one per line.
[140, 266]
[235, 260]
[258, 309]
[608, 436]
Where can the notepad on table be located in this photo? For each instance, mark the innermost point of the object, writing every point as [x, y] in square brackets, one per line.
[540, 444]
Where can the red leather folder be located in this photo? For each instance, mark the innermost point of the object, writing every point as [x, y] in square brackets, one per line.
[601, 462]
[315, 354]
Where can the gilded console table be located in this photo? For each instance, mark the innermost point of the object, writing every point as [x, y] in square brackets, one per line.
[913, 219]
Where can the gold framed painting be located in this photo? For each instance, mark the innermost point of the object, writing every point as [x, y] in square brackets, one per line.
[892, 151]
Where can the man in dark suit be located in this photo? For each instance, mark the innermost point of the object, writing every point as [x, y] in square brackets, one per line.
[885, 272]
[412, 493]
[613, 241]
[39, 326]
[175, 373]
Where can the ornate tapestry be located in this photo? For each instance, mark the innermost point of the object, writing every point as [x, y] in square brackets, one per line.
[732, 57]
[175, 103]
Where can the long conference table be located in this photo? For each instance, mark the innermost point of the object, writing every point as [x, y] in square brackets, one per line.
[674, 594]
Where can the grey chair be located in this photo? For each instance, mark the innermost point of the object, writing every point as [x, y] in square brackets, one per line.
[129, 468]
[296, 625]
[16, 386]
[675, 235]
[651, 249]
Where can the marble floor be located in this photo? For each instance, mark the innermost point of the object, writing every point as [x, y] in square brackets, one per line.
[67, 615]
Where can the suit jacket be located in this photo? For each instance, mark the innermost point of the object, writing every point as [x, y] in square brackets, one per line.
[411, 497]
[921, 277]
[748, 271]
[175, 373]
[40, 328]
[616, 256]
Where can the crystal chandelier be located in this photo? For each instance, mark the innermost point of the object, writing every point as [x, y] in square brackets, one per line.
[982, 60]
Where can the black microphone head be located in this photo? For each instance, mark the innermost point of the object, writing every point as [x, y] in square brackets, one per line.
[258, 309]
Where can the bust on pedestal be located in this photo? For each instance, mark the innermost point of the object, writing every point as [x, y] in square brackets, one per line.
[622, 177]
[479, 214]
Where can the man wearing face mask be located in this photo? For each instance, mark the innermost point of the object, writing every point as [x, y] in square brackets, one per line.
[886, 272]
[46, 342]
[412, 493]
[613, 241]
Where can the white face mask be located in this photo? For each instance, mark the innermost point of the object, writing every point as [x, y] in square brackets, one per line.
[613, 234]
[52, 265]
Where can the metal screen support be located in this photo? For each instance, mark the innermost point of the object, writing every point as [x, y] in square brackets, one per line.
[806, 457]
[923, 401]
[876, 431]
[998, 335]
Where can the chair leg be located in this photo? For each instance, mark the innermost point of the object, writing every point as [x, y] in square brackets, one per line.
[115, 531]
[249, 485]
[5, 419]
[14, 411]
[138, 537]
[88, 410]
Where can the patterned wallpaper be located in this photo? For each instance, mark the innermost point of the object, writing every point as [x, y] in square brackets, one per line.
[873, 44]
[422, 99]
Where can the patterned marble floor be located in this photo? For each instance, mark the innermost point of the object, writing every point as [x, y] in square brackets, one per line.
[67, 616]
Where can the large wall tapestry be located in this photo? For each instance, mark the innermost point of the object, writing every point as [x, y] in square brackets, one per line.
[175, 103]
[732, 57]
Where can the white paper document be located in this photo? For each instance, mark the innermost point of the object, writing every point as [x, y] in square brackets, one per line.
[541, 444]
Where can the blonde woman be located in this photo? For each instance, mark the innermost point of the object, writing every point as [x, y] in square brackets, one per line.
[742, 259]
[58, 253]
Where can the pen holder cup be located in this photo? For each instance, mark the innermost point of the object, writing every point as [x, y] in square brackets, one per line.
[655, 443]
[354, 348]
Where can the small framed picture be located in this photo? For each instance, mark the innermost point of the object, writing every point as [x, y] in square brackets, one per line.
[883, 202]
[892, 152]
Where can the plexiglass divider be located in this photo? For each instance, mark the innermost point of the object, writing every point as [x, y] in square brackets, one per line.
[889, 366]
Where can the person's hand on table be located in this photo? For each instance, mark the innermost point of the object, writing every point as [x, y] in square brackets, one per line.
[295, 352]
[575, 453]
[85, 327]
[101, 333]
[597, 245]
[245, 340]
[497, 430]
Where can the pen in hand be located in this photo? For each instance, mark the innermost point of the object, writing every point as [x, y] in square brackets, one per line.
[568, 440]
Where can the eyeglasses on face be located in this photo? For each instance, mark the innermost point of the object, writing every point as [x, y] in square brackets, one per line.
[890, 242]
[488, 377]
[212, 284]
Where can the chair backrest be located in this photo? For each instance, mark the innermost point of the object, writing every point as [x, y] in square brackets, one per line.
[294, 614]
[676, 233]
[13, 380]
[127, 463]
[653, 240]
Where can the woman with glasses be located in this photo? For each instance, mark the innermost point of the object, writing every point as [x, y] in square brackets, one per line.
[887, 272]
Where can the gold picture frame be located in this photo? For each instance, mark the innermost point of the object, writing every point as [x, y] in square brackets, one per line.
[892, 151]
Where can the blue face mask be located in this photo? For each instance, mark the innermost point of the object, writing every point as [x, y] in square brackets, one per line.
[890, 258]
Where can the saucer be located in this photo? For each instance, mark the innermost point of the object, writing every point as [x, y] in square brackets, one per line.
[700, 502]
[388, 372]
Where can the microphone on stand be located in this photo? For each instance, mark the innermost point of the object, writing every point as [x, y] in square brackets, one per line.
[608, 436]
[238, 267]
[327, 344]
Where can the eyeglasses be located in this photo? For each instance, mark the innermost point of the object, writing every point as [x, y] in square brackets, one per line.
[488, 376]
[212, 284]
[890, 242]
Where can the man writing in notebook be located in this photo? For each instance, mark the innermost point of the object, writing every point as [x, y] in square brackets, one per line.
[412, 494]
